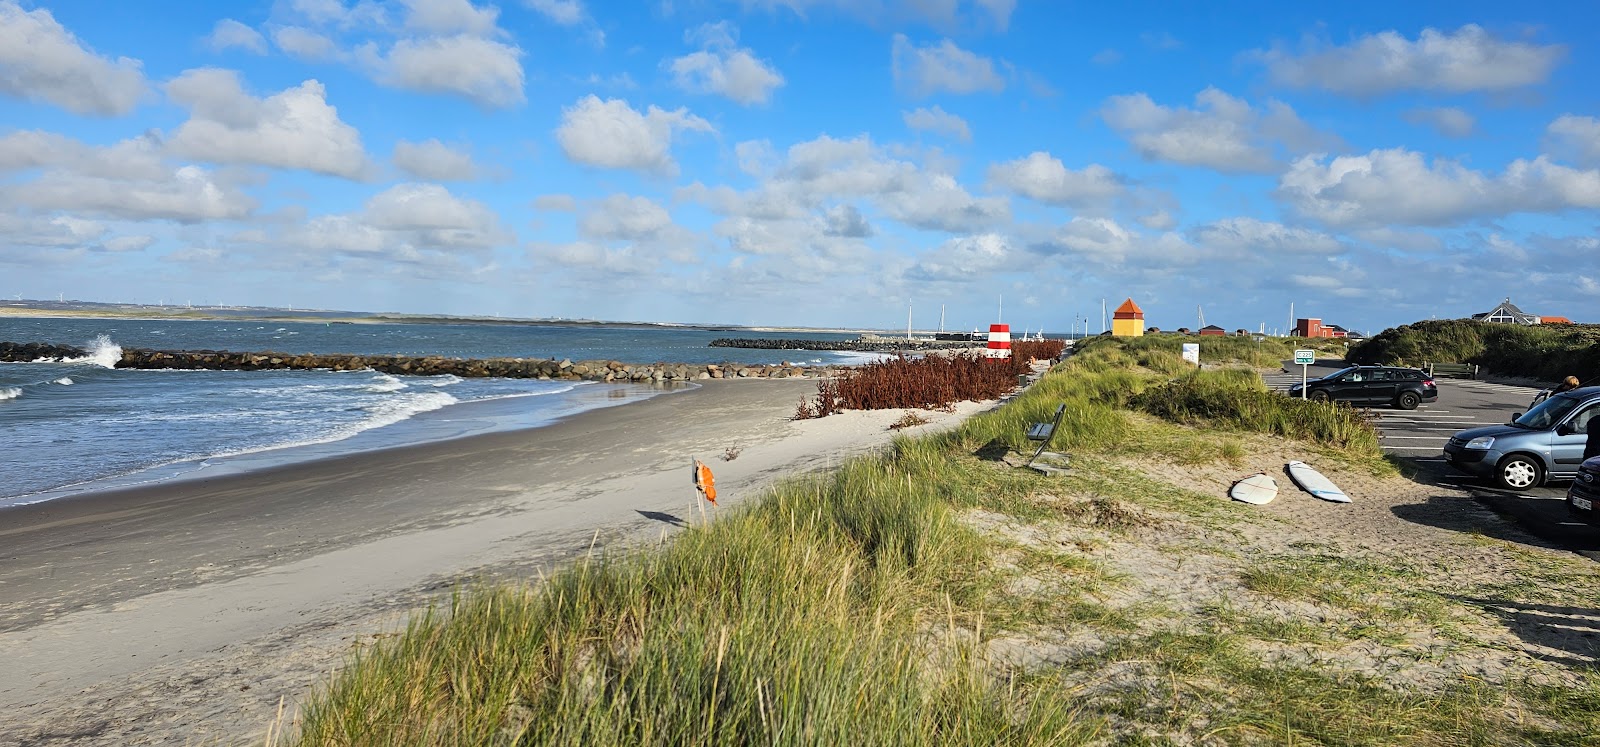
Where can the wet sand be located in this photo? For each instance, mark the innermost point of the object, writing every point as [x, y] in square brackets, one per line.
[185, 613]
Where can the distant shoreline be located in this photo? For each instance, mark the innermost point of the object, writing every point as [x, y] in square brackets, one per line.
[70, 310]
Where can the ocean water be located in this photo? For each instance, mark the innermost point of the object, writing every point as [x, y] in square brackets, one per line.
[75, 426]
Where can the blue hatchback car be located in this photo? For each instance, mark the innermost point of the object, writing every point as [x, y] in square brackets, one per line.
[1543, 444]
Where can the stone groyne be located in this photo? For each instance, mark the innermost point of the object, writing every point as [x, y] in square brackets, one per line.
[511, 368]
[863, 346]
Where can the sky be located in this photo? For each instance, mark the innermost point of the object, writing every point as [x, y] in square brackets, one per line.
[827, 163]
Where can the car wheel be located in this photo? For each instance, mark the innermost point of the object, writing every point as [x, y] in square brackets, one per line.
[1319, 396]
[1519, 472]
[1407, 401]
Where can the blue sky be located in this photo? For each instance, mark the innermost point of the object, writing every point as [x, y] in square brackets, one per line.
[805, 162]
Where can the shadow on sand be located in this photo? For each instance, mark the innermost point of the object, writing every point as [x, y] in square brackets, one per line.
[662, 517]
[1572, 631]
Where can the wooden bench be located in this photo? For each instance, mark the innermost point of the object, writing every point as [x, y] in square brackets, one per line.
[1453, 370]
[1044, 433]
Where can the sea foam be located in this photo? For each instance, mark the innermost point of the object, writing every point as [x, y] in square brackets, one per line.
[102, 352]
[10, 392]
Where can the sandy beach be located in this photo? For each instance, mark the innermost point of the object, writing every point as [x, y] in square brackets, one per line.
[185, 613]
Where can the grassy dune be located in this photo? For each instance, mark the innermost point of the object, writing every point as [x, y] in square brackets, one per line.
[905, 599]
[1548, 352]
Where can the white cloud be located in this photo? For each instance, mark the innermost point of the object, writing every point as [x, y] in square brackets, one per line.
[628, 218]
[846, 221]
[1468, 59]
[478, 69]
[1107, 243]
[304, 44]
[943, 67]
[1400, 187]
[449, 16]
[756, 157]
[1447, 120]
[939, 121]
[946, 14]
[611, 134]
[188, 195]
[294, 129]
[431, 159]
[42, 61]
[229, 33]
[1159, 220]
[563, 12]
[428, 207]
[1042, 177]
[1222, 132]
[1575, 136]
[722, 67]
[136, 158]
[1252, 238]
[967, 259]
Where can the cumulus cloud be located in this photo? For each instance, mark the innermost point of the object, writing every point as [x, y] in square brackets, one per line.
[481, 70]
[188, 194]
[846, 221]
[943, 67]
[1222, 132]
[1249, 237]
[1447, 120]
[1468, 59]
[1107, 243]
[968, 259]
[1042, 177]
[433, 160]
[295, 129]
[611, 134]
[1159, 220]
[41, 60]
[449, 17]
[938, 121]
[431, 208]
[305, 44]
[1400, 187]
[1576, 137]
[229, 33]
[625, 217]
[137, 158]
[724, 68]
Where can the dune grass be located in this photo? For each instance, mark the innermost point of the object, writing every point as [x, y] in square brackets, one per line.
[858, 607]
[1548, 352]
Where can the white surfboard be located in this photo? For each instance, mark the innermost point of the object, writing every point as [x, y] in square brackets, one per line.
[1314, 483]
[1258, 488]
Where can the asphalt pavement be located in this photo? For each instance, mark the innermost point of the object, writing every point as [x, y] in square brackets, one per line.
[1418, 437]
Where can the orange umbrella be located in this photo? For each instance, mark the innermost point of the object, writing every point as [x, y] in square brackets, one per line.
[704, 482]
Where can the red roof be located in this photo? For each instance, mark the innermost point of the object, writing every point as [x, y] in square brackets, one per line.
[1128, 310]
[1554, 320]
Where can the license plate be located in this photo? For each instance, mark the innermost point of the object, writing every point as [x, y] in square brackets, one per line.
[1582, 503]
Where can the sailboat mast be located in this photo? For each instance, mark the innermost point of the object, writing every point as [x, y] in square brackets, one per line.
[908, 320]
[941, 318]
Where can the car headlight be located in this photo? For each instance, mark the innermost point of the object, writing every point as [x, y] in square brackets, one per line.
[1481, 442]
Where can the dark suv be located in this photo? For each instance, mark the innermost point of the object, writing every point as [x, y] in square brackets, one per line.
[1585, 493]
[1404, 388]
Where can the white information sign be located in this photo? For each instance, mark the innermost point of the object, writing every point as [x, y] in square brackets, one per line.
[1304, 358]
[1191, 352]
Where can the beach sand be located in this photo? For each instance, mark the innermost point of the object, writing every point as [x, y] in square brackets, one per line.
[184, 613]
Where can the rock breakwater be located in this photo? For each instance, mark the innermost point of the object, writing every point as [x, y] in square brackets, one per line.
[511, 368]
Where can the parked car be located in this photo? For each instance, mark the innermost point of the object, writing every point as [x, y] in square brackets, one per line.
[1584, 494]
[1404, 388]
[1540, 445]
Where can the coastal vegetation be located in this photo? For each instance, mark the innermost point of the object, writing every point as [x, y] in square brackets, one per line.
[934, 594]
[1548, 352]
[928, 382]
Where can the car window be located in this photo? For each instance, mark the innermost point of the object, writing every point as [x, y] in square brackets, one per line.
[1580, 422]
[1379, 376]
[1546, 414]
[1355, 376]
[1412, 375]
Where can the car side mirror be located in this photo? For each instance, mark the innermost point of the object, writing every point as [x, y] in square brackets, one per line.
[1565, 429]
[1516, 415]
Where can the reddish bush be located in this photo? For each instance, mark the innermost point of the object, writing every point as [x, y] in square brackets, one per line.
[930, 382]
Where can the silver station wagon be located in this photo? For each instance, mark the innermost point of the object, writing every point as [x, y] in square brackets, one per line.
[1540, 445]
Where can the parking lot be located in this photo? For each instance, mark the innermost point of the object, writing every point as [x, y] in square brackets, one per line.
[1419, 436]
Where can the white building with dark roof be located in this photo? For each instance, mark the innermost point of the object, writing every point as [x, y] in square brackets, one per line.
[1506, 313]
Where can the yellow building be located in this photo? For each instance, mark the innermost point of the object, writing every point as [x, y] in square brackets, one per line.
[1128, 321]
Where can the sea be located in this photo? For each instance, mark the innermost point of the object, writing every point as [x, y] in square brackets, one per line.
[68, 427]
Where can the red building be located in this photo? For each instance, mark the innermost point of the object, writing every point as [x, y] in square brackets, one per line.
[1213, 330]
[1315, 328]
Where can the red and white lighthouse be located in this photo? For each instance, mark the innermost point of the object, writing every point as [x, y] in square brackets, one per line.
[999, 341]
